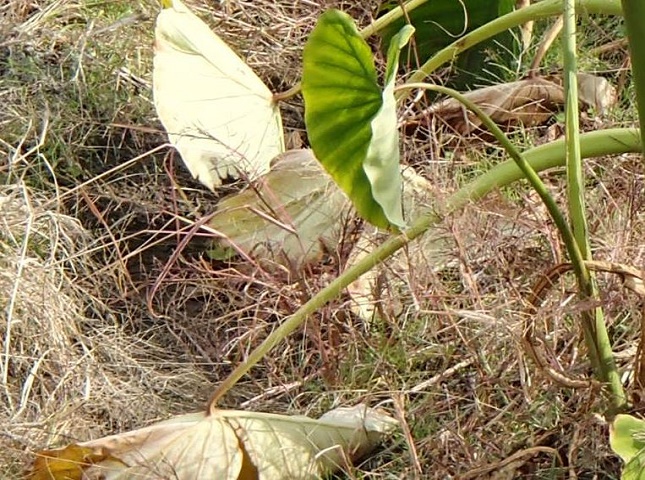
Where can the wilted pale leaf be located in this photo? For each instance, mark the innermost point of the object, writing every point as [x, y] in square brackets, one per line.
[299, 447]
[67, 463]
[217, 112]
[531, 101]
[232, 445]
[288, 216]
[596, 92]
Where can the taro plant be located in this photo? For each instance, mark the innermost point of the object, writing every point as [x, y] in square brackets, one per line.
[351, 120]
[627, 439]
[350, 123]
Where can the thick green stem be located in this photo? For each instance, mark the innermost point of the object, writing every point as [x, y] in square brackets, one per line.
[594, 144]
[593, 322]
[593, 325]
[522, 164]
[575, 177]
[536, 11]
[635, 23]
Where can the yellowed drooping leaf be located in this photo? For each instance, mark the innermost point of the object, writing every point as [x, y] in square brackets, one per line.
[67, 463]
[217, 112]
[596, 92]
[529, 102]
[289, 216]
[284, 447]
[229, 445]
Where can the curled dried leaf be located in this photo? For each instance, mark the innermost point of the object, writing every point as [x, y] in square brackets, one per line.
[227, 445]
[529, 102]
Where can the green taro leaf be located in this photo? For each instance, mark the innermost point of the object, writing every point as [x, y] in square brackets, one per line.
[441, 22]
[351, 122]
[627, 440]
[627, 436]
[635, 468]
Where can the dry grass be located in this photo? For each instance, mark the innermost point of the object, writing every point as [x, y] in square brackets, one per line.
[105, 328]
[70, 367]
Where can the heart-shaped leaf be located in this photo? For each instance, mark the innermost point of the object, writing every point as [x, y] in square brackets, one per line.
[289, 216]
[218, 114]
[627, 440]
[350, 120]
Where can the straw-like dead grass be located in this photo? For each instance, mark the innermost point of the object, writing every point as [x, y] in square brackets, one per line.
[69, 370]
[107, 326]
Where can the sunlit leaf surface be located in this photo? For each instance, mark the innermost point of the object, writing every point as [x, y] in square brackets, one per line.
[351, 121]
[217, 112]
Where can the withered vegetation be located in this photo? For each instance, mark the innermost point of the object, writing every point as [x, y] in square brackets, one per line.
[107, 324]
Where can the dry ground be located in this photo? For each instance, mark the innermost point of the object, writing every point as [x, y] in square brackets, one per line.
[105, 329]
